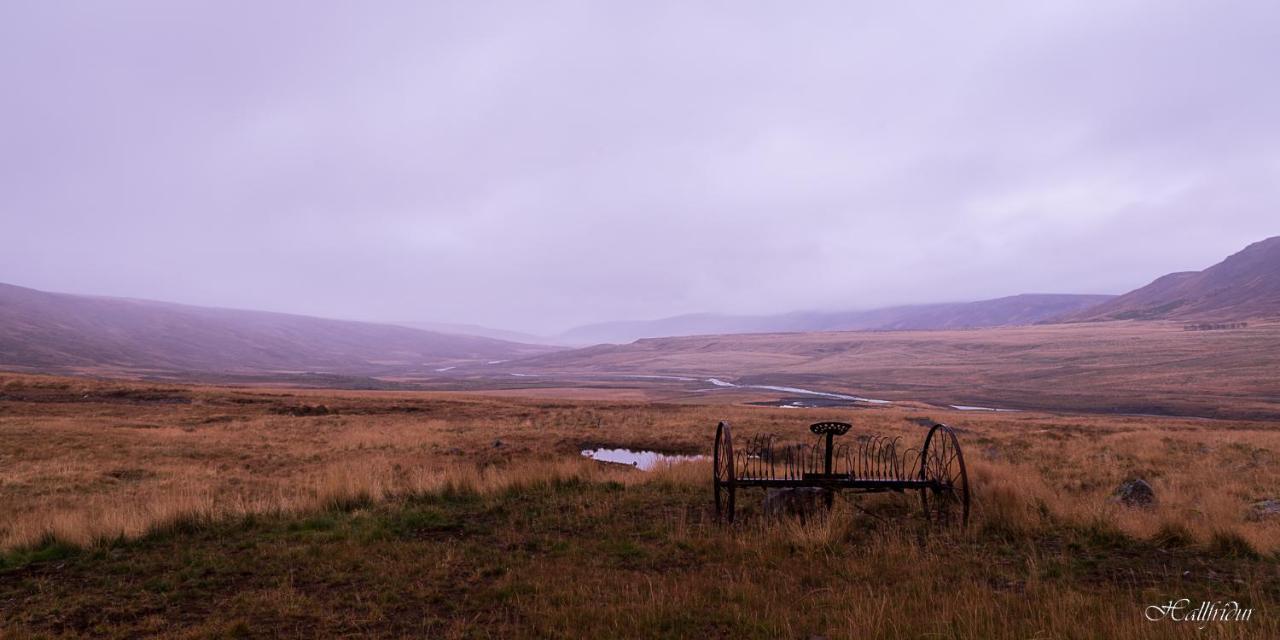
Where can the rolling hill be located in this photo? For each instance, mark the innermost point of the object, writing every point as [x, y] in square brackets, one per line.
[1122, 367]
[54, 332]
[1009, 311]
[461, 329]
[1245, 285]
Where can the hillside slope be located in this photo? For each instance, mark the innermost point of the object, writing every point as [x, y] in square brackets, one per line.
[60, 332]
[1245, 285]
[1125, 367]
[461, 329]
[1009, 311]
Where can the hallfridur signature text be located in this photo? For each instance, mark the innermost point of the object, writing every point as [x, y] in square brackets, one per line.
[1184, 610]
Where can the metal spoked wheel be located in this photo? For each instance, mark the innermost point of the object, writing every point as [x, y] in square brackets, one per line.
[722, 472]
[946, 499]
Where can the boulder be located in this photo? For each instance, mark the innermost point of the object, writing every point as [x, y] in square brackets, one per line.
[800, 502]
[1135, 493]
[1263, 510]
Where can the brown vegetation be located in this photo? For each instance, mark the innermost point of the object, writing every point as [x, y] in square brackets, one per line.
[63, 333]
[84, 459]
[1113, 367]
[360, 534]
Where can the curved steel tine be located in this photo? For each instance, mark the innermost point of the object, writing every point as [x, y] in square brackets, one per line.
[865, 459]
[868, 459]
[893, 454]
[780, 460]
[758, 442]
[766, 442]
[760, 455]
[876, 462]
[880, 456]
[754, 460]
[891, 459]
[911, 458]
[766, 451]
[785, 452]
[886, 458]
[755, 441]
[776, 458]
[859, 465]
[886, 450]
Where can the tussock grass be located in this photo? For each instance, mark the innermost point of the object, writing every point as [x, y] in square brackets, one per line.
[456, 516]
[83, 460]
[570, 549]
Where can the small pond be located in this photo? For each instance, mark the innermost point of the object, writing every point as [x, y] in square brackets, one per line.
[639, 458]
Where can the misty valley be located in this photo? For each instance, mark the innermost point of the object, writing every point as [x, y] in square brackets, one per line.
[639, 320]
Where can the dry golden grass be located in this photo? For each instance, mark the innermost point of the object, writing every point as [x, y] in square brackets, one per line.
[85, 460]
[357, 534]
[1121, 367]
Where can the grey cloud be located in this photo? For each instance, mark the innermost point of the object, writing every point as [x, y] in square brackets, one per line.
[532, 166]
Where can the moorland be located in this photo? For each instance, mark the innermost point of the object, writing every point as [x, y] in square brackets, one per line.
[1130, 367]
[201, 472]
[175, 510]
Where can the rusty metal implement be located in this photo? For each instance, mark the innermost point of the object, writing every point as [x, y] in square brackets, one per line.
[868, 464]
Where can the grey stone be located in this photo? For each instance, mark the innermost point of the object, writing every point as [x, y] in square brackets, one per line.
[1135, 493]
[1263, 510]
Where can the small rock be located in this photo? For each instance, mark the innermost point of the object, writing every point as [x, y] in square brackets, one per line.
[498, 444]
[1135, 493]
[801, 502]
[1263, 510]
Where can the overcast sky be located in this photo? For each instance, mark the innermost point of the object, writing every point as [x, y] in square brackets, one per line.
[534, 165]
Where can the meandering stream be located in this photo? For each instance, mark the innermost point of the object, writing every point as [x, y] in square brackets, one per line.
[809, 392]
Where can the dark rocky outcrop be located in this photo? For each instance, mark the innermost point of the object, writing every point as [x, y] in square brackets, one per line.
[1135, 493]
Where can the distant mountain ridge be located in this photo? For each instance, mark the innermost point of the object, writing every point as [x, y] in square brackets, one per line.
[477, 330]
[66, 333]
[1245, 285]
[1022, 309]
